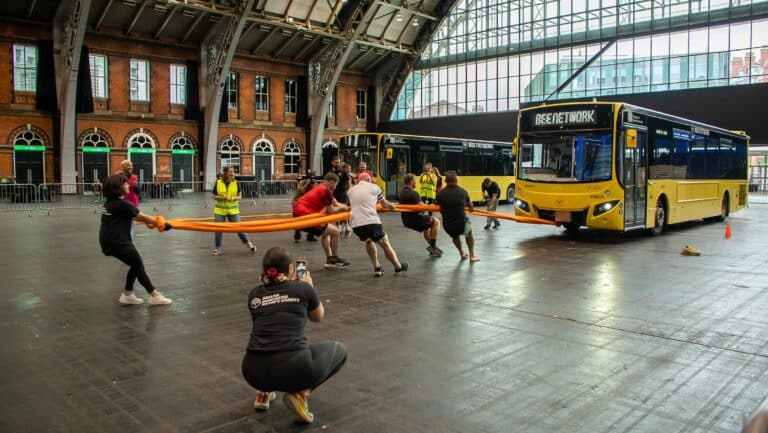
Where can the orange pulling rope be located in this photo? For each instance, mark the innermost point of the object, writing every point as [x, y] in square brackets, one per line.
[308, 221]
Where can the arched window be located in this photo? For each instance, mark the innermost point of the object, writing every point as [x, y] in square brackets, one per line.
[230, 154]
[28, 138]
[95, 139]
[181, 143]
[141, 152]
[263, 159]
[330, 145]
[292, 154]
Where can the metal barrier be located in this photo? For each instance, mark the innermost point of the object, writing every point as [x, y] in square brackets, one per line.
[758, 184]
[18, 197]
[277, 191]
[152, 194]
[186, 193]
[52, 196]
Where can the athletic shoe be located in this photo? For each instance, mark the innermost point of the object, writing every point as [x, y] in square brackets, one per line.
[378, 272]
[487, 226]
[217, 252]
[252, 247]
[297, 236]
[263, 399]
[297, 403]
[311, 238]
[496, 225]
[403, 267]
[334, 262]
[439, 250]
[131, 299]
[434, 252]
[687, 251]
[158, 300]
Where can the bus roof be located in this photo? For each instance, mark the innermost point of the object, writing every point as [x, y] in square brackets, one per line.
[638, 109]
[428, 136]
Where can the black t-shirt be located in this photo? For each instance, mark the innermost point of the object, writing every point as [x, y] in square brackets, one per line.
[492, 189]
[452, 200]
[409, 196]
[116, 219]
[279, 314]
[340, 193]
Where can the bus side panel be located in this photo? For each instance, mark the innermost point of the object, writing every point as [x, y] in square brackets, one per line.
[694, 199]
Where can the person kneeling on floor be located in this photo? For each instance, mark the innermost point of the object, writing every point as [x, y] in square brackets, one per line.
[279, 357]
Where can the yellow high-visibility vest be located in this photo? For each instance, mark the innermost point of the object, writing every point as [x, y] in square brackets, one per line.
[223, 207]
[428, 186]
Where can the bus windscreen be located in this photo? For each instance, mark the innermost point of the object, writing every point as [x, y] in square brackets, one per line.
[566, 158]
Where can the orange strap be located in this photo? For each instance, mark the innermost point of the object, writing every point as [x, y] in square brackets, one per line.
[308, 221]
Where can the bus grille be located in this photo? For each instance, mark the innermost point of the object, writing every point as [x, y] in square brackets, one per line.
[577, 217]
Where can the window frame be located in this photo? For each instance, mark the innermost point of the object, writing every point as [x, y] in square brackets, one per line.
[25, 70]
[92, 57]
[361, 107]
[261, 98]
[292, 155]
[290, 96]
[232, 93]
[180, 87]
[147, 96]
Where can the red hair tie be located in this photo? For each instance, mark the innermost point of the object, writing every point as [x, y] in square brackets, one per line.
[272, 273]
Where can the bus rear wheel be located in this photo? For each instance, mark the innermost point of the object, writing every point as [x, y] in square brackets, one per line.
[724, 209]
[660, 219]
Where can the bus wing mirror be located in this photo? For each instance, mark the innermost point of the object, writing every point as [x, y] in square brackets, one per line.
[631, 138]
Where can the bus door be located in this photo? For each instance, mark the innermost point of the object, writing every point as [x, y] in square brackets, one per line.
[634, 169]
[395, 167]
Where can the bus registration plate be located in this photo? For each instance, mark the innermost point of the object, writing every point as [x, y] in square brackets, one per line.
[562, 217]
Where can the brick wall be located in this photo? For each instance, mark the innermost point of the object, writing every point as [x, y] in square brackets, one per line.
[117, 117]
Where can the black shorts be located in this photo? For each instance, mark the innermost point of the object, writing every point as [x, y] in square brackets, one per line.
[459, 230]
[374, 232]
[316, 231]
[424, 223]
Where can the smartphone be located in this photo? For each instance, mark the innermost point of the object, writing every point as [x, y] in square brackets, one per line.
[301, 269]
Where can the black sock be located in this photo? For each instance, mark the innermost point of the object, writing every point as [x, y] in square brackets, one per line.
[433, 243]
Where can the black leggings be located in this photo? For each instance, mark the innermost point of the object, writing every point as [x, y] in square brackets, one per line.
[130, 256]
[296, 370]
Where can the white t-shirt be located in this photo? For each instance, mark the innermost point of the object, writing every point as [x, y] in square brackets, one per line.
[362, 201]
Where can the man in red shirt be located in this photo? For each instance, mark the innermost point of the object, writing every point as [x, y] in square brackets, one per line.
[316, 200]
[133, 190]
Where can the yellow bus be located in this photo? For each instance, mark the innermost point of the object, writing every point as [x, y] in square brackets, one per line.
[391, 156]
[615, 166]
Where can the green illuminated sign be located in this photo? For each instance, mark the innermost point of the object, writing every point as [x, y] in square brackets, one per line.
[26, 148]
[138, 150]
[96, 149]
[183, 151]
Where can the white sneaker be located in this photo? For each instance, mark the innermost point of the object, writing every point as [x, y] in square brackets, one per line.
[158, 300]
[216, 252]
[131, 299]
[252, 247]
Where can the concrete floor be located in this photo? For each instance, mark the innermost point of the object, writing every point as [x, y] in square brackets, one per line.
[544, 334]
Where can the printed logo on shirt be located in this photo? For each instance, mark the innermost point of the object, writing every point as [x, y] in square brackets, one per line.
[272, 300]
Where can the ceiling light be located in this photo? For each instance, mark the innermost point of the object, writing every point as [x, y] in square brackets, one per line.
[399, 17]
[415, 22]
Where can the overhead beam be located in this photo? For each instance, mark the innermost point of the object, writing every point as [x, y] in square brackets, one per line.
[165, 22]
[332, 16]
[31, 8]
[262, 42]
[103, 15]
[217, 51]
[311, 10]
[306, 48]
[136, 16]
[287, 9]
[283, 46]
[69, 26]
[376, 62]
[191, 28]
[414, 11]
[386, 26]
[358, 59]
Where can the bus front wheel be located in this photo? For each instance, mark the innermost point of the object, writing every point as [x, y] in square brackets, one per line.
[660, 219]
[511, 193]
[724, 209]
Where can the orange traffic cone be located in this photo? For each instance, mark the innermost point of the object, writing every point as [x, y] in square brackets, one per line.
[728, 231]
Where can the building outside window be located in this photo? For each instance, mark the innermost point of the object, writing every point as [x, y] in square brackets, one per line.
[139, 77]
[24, 68]
[98, 66]
[360, 104]
[292, 158]
[178, 84]
[290, 96]
[332, 103]
[261, 93]
[231, 90]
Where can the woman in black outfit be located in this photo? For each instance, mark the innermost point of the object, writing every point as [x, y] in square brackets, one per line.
[115, 239]
[278, 357]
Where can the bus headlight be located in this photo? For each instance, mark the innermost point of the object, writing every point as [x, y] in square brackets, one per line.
[522, 205]
[604, 207]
